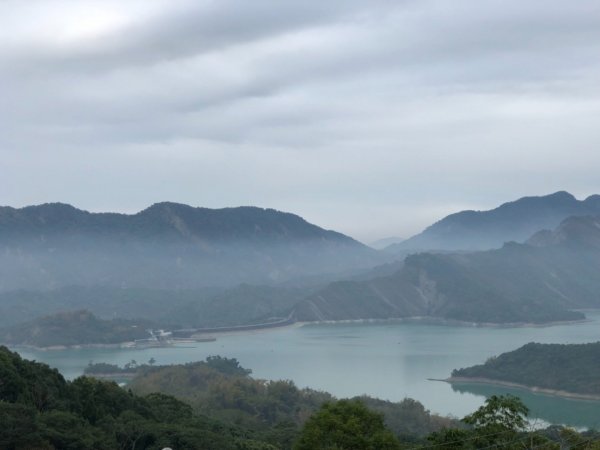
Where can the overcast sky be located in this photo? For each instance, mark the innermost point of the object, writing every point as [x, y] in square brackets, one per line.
[374, 118]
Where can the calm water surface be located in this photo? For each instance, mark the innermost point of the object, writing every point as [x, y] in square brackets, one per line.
[389, 361]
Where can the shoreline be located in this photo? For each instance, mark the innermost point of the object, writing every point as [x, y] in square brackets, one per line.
[51, 348]
[533, 389]
[290, 324]
[433, 320]
[111, 376]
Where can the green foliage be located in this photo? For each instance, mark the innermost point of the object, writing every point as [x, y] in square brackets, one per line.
[221, 407]
[499, 423]
[227, 366]
[105, 369]
[40, 410]
[567, 367]
[500, 412]
[66, 430]
[408, 419]
[30, 384]
[19, 427]
[346, 424]
[220, 388]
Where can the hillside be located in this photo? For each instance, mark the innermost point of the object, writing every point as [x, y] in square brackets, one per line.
[222, 389]
[571, 368]
[39, 409]
[183, 308]
[540, 281]
[167, 246]
[219, 407]
[513, 221]
[73, 328]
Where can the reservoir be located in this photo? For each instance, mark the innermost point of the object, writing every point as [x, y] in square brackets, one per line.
[386, 360]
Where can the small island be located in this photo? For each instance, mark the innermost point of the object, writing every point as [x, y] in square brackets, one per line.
[566, 370]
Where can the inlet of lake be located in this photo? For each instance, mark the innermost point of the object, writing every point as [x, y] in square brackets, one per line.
[386, 360]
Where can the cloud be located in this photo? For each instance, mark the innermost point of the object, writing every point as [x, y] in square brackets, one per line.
[369, 117]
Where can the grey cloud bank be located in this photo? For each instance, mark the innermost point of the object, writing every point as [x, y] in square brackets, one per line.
[372, 118]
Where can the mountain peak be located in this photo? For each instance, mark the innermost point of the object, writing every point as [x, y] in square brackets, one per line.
[511, 221]
[560, 196]
[169, 245]
[576, 230]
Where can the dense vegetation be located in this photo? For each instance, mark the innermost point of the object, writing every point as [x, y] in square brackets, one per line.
[220, 388]
[230, 410]
[40, 410]
[346, 424]
[566, 367]
[73, 328]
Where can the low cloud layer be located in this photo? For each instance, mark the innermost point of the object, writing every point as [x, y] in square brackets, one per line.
[374, 118]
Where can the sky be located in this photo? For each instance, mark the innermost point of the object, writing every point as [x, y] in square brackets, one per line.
[374, 118]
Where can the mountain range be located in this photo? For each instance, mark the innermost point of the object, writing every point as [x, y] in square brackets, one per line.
[512, 221]
[167, 246]
[195, 267]
[541, 280]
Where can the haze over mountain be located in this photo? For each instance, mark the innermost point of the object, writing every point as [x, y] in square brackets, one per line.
[168, 246]
[539, 281]
[512, 221]
[380, 244]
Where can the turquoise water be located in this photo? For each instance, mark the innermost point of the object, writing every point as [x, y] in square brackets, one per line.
[389, 361]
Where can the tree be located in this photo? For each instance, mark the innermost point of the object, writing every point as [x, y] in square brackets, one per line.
[346, 424]
[501, 412]
[497, 423]
[228, 366]
[19, 428]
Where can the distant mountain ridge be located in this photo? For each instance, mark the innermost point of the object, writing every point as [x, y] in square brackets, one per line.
[167, 245]
[541, 281]
[512, 221]
[177, 219]
[380, 244]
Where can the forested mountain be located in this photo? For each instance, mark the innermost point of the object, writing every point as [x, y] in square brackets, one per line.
[39, 409]
[220, 388]
[513, 221]
[167, 246]
[565, 367]
[73, 328]
[220, 407]
[539, 281]
[542, 280]
[184, 308]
